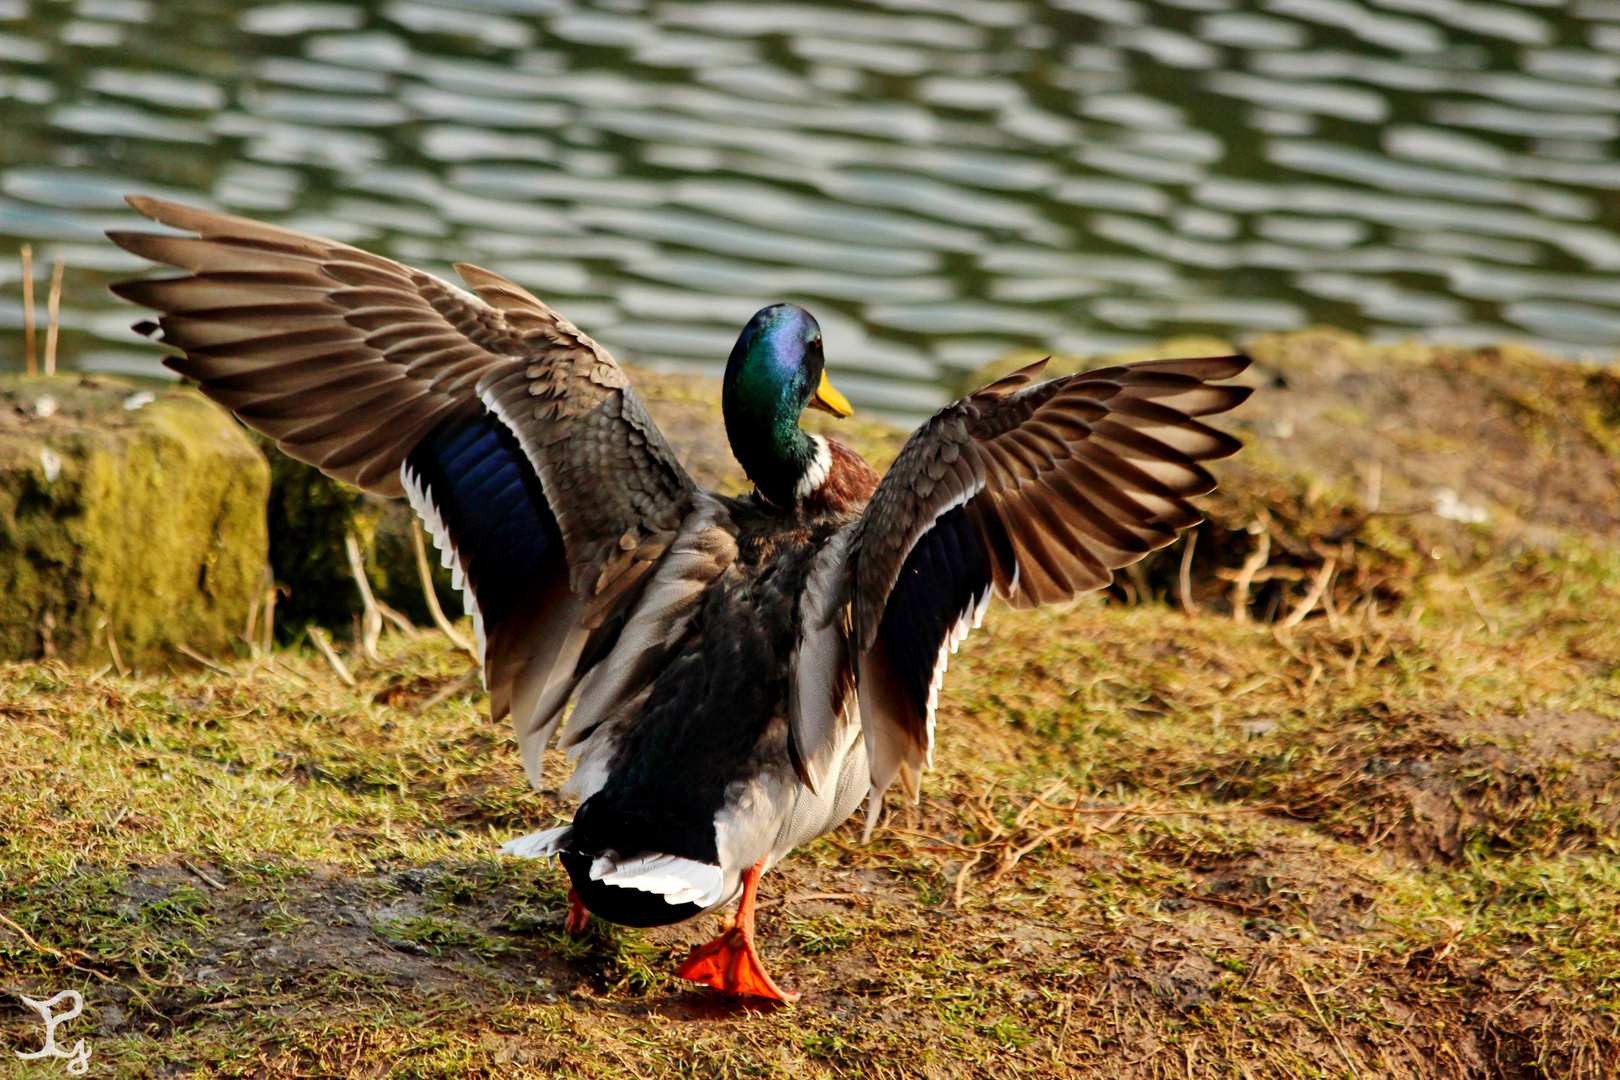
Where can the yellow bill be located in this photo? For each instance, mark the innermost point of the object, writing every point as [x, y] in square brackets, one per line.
[828, 399]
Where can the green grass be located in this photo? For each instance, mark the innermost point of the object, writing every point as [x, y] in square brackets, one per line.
[1157, 843]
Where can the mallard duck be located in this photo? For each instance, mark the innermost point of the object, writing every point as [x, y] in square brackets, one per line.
[744, 671]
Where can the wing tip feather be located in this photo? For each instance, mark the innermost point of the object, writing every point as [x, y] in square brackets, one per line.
[1013, 380]
[147, 206]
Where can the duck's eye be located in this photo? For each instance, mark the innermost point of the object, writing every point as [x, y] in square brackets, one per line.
[815, 342]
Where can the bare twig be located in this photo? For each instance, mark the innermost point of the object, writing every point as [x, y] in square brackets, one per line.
[962, 878]
[371, 628]
[281, 668]
[1010, 855]
[28, 307]
[1333, 1032]
[1050, 792]
[1221, 901]
[53, 311]
[807, 897]
[1251, 566]
[432, 597]
[1266, 573]
[46, 949]
[339, 668]
[112, 647]
[446, 693]
[252, 621]
[1157, 811]
[1479, 607]
[206, 880]
[1328, 606]
[401, 623]
[182, 647]
[1067, 1010]
[270, 596]
[1318, 587]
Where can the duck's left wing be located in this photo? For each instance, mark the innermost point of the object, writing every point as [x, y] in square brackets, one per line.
[1033, 492]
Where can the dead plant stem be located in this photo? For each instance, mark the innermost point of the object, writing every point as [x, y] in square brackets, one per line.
[28, 309]
[1189, 545]
[431, 595]
[335, 662]
[1318, 587]
[53, 312]
[372, 624]
[1252, 565]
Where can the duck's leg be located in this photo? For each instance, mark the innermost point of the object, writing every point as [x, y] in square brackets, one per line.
[577, 914]
[730, 963]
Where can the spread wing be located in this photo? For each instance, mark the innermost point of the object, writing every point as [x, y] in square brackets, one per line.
[1035, 493]
[517, 438]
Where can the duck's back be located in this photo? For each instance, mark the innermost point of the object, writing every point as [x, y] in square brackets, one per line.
[690, 756]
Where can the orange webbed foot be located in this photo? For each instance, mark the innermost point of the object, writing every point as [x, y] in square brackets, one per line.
[731, 964]
[574, 925]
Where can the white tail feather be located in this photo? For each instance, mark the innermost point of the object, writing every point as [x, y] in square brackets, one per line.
[540, 845]
[677, 880]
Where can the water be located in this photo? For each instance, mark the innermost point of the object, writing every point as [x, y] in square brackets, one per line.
[940, 181]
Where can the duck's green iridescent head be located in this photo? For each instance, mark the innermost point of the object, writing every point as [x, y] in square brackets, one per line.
[776, 370]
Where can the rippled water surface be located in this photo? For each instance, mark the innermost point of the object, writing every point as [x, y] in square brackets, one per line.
[940, 181]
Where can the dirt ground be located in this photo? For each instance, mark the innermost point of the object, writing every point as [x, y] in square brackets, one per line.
[1332, 795]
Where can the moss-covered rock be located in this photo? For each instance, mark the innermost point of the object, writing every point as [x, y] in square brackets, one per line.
[127, 515]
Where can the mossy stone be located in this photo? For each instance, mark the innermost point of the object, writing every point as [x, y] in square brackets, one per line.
[125, 513]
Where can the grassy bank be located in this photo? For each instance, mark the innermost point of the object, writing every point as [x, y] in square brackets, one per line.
[1170, 835]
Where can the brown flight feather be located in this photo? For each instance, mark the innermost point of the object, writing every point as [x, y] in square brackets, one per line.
[347, 359]
[1063, 482]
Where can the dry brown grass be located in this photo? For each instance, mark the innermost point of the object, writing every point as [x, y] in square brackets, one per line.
[1159, 845]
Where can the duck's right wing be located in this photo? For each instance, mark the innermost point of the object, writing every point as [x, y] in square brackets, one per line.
[516, 437]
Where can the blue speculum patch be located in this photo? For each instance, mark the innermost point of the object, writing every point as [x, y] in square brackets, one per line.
[492, 505]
